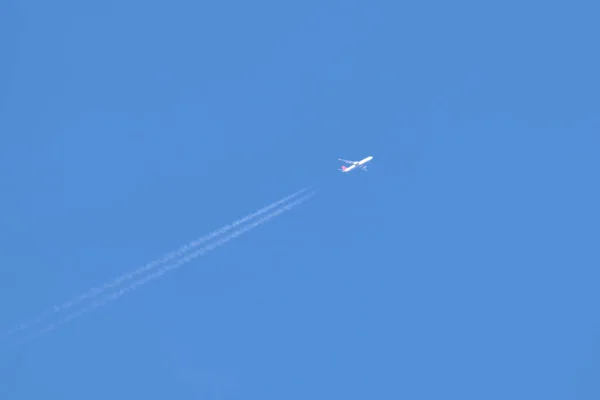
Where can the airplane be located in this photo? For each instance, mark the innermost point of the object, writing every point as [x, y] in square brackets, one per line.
[355, 164]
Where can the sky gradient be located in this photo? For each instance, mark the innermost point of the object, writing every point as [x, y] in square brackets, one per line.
[463, 265]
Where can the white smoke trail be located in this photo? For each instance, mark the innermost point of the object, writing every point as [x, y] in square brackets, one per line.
[198, 253]
[97, 291]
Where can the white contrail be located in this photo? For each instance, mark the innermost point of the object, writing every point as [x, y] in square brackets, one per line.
[198, 253]
[97, 291]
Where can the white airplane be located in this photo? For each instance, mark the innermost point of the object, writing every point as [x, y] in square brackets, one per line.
[355, 164]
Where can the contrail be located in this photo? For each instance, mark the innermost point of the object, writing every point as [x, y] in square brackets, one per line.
[153, 264]
[198, 253]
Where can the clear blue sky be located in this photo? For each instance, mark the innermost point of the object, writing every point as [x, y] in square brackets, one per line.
[463, 265]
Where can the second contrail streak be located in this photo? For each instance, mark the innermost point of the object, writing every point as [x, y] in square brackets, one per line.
[193, 255]
[98, 291]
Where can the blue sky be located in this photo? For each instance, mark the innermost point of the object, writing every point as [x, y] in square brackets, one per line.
[462, 265]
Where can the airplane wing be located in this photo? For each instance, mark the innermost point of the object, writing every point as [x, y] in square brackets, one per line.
[348, 161]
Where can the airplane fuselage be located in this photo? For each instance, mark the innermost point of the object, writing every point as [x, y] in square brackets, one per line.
[360, 164]
[365, 160]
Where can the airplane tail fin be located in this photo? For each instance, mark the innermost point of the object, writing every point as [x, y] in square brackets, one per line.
[343, 167]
